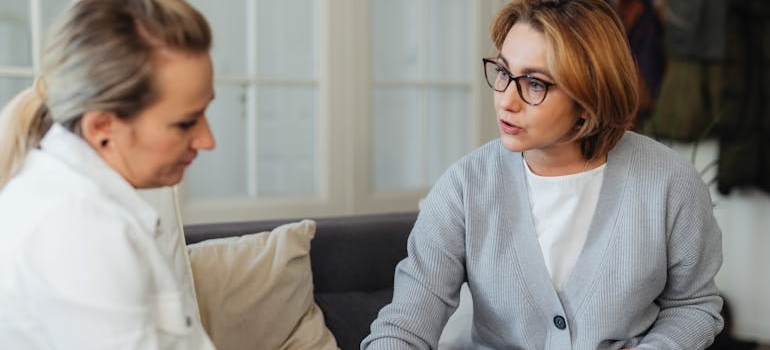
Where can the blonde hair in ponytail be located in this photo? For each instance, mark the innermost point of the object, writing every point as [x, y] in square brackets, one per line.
[23, 122]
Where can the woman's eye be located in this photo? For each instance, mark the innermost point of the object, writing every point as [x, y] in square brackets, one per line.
[536, 84]
[187, 124]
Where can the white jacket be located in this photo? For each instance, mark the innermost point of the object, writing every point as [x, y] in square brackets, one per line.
[86, 263]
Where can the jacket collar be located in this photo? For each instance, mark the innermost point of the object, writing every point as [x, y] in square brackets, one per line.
[69, 148]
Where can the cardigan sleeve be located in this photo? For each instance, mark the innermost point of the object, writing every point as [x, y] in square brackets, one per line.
[690, 303]
[427, 282]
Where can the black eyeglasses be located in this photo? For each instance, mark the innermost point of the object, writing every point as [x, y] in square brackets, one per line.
[531, 90]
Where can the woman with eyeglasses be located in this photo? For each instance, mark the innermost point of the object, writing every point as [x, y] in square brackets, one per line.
[571, 231]
[119, 106]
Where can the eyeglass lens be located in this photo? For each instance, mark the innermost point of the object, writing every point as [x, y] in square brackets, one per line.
[531, 90]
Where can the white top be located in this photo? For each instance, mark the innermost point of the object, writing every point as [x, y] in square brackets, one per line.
[85, 263]
[562, 208]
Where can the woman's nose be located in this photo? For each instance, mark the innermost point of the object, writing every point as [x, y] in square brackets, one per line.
[510, 98]
[204, 139]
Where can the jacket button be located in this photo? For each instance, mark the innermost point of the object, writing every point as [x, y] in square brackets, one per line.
[559, 322]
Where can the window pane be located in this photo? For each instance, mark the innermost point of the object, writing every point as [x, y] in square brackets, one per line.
[448, 122]
[396, 38]
[286, 38]
[15, 35]
[396, 138]
[9, 87]
[222, 172]
[287, 141]
[449, 41]
[50, 10]
[228, 24]
[421, 122]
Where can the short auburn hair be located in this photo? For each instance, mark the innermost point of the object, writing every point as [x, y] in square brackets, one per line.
[589, 57]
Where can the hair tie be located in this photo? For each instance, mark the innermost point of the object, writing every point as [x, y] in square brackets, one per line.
[42, 118]
[41, 89]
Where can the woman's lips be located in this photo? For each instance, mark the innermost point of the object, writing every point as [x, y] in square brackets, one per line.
[509, 128]
[187, 161]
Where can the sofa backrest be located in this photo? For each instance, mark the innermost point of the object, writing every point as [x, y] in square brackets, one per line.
[348, 253]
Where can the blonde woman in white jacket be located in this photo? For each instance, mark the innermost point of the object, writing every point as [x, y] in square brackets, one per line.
[119, 106]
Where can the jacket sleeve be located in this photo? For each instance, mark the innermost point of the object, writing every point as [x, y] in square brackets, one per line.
[90, 275]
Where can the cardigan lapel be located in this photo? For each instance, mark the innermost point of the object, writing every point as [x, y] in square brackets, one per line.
[525, 244]
[601, 231]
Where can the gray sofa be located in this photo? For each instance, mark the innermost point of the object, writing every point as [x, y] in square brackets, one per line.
[353, 259]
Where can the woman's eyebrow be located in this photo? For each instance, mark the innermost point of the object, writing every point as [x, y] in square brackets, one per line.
[526, 70]
[501, 58]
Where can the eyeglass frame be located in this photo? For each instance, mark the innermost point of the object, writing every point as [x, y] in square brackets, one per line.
[515, 79]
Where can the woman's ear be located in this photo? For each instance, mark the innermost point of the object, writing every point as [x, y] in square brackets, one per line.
[584, 115]
[98, 127]
[582, 119]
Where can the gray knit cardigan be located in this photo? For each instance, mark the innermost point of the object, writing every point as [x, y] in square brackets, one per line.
[644, 279]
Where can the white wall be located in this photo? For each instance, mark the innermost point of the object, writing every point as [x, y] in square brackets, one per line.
[744, 217]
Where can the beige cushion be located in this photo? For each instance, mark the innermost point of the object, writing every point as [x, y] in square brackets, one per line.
[256, 291]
